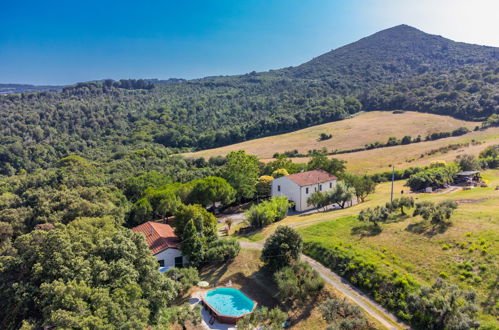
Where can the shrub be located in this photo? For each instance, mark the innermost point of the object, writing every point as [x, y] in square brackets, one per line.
[298, 282]
[282, 248]
[432, 177]
[223, 249]
[443, 306]
[185, 277]
[263, 318]
[388, 289]
[341, 314]
[268, 212]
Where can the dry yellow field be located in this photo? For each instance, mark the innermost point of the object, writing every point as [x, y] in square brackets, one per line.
[350, 133]
[403, 156]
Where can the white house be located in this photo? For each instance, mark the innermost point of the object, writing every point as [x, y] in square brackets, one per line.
[298, 187]
[163, 243]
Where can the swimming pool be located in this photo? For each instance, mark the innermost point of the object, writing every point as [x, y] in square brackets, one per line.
[228, 305]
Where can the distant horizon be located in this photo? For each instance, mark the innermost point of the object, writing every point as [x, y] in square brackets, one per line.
[57, 44]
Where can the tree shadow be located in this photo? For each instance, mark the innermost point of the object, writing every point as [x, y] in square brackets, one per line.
[427, 228]
[397, 218]
[490, 303]
[366, 230]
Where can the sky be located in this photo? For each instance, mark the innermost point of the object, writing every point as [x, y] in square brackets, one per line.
[62, 42]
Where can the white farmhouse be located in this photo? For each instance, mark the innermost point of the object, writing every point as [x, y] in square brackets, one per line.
[163, 243]
[298, 187]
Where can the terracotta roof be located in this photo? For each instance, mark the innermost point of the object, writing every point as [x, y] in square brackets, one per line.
[159, 236]
[311, 177]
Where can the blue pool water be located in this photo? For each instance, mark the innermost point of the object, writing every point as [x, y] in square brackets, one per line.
[229, 301]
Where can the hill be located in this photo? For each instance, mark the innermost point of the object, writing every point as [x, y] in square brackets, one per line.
[398, 52]
[37, 129]
[23, 88]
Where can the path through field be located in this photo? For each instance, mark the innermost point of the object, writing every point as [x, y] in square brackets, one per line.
[356, 296]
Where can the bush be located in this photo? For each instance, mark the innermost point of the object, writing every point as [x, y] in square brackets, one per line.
[223, 249]
[341, 314]
[443, 306]
[263, 318]
[185, 277]
[282, 248]
[432, 177]
[268, 212]
[437, 213]
[298, 282]
[388, 289]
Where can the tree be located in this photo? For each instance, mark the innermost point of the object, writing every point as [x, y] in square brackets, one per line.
[443, 306]
[193, 245]
[163, 202]
[263, 186]
[400, 203]
[468, 163]
[362, 184]
[321, 162]
[436, 176]
[204, 222]
[271, 319]
[186, 277]
[279, 173]
[437, 213]
[341, 314]
[318, 199]
[282, 248]
[229, 223]
[241, 171]
[91, 273]
[340, 194]
[210, 190]
[375, 215]
[141, 212]
[135, 185]
[298, 282]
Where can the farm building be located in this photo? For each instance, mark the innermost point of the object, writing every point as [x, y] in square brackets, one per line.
[163, 243]
[300, 186]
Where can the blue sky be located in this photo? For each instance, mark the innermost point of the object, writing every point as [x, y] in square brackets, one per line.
[62, 42]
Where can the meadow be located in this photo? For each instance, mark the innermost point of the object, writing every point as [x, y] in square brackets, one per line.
[465, 253]
[355, 132]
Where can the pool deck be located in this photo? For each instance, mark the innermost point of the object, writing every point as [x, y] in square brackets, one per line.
[206, 316]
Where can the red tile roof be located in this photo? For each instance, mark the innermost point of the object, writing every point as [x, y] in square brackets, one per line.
[159, 236]
[311, 177]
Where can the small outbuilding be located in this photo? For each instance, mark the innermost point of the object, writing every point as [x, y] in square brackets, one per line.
[468, 177]
[163, 243]
[300, 186]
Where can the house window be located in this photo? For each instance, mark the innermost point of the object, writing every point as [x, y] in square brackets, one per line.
[320, 187]
[306, 190]
[278, 188]
[161, 263]
[179, 262]
[330, 185]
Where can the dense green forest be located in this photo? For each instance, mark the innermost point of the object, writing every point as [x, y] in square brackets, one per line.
[468, 92]
[95, 119]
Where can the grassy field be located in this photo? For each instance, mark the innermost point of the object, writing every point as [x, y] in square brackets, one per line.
[466, 253]
[245, 273]
[411, 246]
[416, 154]
[365, 128]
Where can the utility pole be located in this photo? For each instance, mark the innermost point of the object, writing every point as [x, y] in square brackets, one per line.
[393, 179]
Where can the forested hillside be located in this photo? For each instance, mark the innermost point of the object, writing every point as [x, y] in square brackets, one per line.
[469, 92]
[37, 129]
